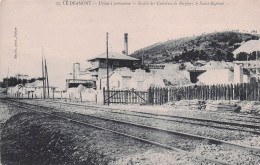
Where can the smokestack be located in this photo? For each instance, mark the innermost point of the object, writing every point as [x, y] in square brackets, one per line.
[126, 43]
[76, 70]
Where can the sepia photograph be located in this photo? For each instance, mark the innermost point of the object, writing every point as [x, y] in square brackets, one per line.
[129, 82]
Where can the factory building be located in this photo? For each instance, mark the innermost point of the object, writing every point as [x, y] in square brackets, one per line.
[98, 70]
[79, 77]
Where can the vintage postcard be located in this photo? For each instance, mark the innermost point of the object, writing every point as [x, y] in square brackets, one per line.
[129, 82]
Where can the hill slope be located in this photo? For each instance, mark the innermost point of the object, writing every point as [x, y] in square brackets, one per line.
[214, 46]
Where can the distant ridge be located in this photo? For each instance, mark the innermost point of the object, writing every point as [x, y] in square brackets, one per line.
[215, 46]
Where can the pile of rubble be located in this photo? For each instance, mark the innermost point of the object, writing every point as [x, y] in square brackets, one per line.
[218, 105]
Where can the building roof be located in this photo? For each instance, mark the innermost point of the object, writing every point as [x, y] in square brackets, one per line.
[113, 55]
[248, 47]
[212, 65]
[34, 84]
[37, 83]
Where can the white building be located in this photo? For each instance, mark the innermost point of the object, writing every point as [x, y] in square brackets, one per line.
[32, 90]
[125, 79]
[219, 76]
[248, 47]
[79, 77]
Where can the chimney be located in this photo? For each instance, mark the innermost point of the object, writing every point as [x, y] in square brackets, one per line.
[126, 43]
[76, 70]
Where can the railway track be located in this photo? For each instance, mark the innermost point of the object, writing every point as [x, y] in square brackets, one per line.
[174, 134]
[201, 122]
[243, 116]
[250, 118]
[175, 116]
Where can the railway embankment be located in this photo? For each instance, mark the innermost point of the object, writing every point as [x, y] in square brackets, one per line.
[35, 138]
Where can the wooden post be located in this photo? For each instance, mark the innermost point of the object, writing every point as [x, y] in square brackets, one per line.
[52, 93]
[149, 95]
[107, 74]
[126, 97]
[80, 96]
[104, 96]
[161, 96]
[228, 92]
[231, 92]
[258, 91]
[236, 92]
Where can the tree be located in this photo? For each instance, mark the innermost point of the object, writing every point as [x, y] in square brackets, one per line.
[252, 56]
[182, 66]
[32, 80]
[242, 56]
[185, 49]
[230, 56]
[203, 55]
[219, 56]
[214, 44]
[24, 81]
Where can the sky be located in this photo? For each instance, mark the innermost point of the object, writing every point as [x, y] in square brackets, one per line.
[70, 33]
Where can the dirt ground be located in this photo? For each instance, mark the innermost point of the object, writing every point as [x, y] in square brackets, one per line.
[35, 138]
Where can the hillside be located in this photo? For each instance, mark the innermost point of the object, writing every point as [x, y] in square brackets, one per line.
[213, 46]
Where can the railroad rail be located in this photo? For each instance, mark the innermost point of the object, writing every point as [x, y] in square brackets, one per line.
[233, 145]
[172, 118]
[175, 116]
[255, 116]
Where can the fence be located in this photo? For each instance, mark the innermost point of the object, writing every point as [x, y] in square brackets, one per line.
[244, 91]
[35, 95]
[125, 96]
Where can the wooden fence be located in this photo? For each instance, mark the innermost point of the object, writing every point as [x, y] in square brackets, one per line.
[244, 91]
[125, 96]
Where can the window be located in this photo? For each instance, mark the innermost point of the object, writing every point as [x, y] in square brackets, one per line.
[116, 63]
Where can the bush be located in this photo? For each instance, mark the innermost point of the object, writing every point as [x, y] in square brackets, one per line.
[242, 56]
[230, 56]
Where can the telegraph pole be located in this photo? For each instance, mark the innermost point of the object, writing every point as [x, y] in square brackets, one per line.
[47, 79]
[43, 77]
[107, 74]
[7, 82]
[257, 69]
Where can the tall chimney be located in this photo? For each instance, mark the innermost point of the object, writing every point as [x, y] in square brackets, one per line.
[126, 43]
[76, 70]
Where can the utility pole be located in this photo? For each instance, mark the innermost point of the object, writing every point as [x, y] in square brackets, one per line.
[257, 69]
[107, 74]
[143, 58]
[47, 79]
[7, 82]
[43, 77]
